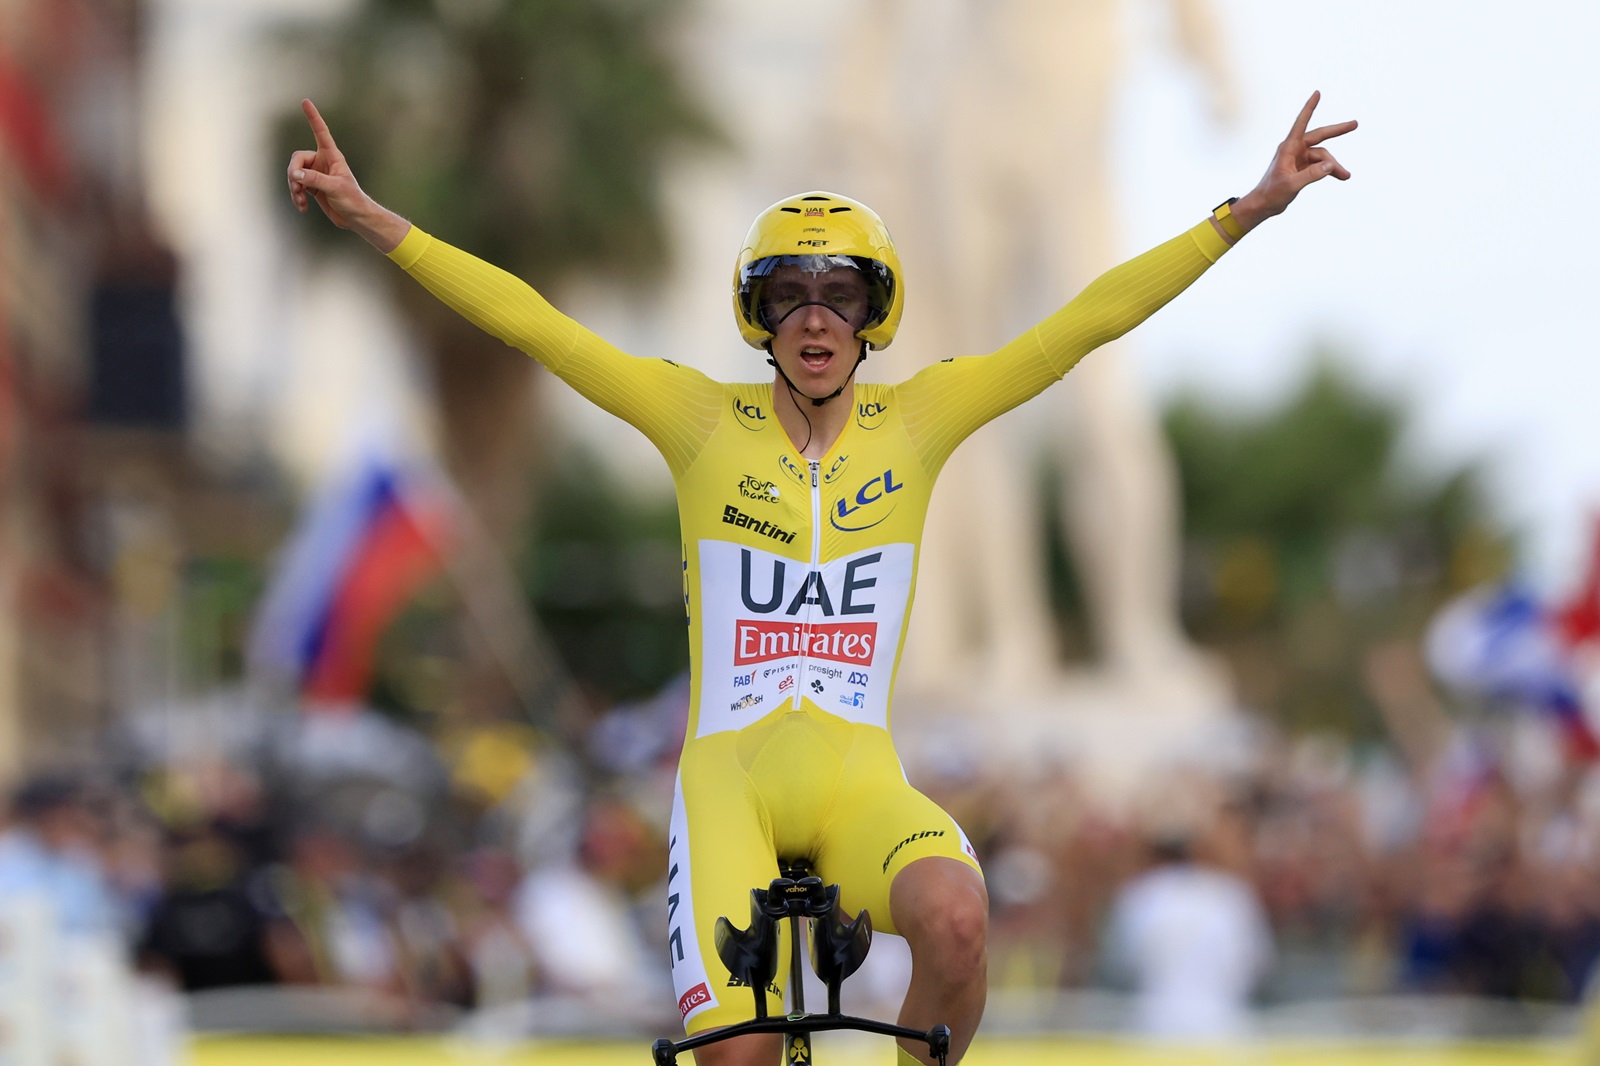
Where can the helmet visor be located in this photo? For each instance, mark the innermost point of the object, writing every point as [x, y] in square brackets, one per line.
[855, 288]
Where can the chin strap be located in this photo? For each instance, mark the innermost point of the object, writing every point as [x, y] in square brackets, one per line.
[815, 401]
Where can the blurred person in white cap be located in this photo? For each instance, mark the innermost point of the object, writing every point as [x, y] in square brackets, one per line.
[1193, 940]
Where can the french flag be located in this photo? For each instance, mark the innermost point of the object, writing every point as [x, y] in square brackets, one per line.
[368, 541]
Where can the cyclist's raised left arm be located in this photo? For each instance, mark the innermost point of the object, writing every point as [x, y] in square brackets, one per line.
[945, 402]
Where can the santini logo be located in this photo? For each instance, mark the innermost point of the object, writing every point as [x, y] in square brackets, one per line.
[913, 838]
[735, 517]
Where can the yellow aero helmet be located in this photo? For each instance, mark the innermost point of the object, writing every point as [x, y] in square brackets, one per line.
[819, 230]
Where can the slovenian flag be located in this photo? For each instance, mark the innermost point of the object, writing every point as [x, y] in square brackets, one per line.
[368, 541]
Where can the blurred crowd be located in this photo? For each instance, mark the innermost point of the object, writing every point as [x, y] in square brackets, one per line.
[491, 868]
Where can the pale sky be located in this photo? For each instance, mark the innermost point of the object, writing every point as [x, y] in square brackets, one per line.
[1451, 269]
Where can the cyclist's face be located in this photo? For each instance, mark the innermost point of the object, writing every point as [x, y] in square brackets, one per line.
[814, 319]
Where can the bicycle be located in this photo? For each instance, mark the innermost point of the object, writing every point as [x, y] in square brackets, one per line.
[838, 948]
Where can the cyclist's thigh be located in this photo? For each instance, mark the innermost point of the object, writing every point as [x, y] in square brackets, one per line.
[878, 827]
[720, 848]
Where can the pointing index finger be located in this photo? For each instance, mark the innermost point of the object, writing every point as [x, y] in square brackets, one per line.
[1304, 119]
[319, 128]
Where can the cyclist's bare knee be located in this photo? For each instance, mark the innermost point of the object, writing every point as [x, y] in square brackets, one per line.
[939, 900]
[756, 1049]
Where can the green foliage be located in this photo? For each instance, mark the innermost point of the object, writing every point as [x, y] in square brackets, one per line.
[532, 132]
[604, 571]
[1307, 541]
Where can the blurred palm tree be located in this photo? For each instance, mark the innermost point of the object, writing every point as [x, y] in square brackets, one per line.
[532, 133]
[1310, 540]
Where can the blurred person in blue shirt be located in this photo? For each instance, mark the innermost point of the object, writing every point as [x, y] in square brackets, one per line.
[48, 854]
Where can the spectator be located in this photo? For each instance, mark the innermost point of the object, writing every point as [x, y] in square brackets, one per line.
[1194, 940]
[47, 853]
[208, 931]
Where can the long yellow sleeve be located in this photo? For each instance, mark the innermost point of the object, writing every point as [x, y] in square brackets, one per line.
[675, 406]
[944, 403]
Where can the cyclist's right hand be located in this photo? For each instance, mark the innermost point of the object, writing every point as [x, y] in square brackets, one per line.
[324, 175]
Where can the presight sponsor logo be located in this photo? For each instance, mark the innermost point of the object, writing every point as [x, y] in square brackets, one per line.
[753, 488]
[761, 528]
[760, 640]
[697, 996]
[832, 673]
[744, 703]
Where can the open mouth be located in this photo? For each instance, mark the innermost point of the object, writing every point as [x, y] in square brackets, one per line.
[815, 358]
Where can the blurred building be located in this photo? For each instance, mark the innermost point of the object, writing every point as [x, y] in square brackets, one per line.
[92, 390]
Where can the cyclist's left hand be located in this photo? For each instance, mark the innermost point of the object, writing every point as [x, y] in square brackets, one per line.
[1299, 161]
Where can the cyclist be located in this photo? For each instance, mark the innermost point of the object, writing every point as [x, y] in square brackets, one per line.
[801, 501]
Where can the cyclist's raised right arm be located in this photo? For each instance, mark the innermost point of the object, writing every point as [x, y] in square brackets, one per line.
[674, 406]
